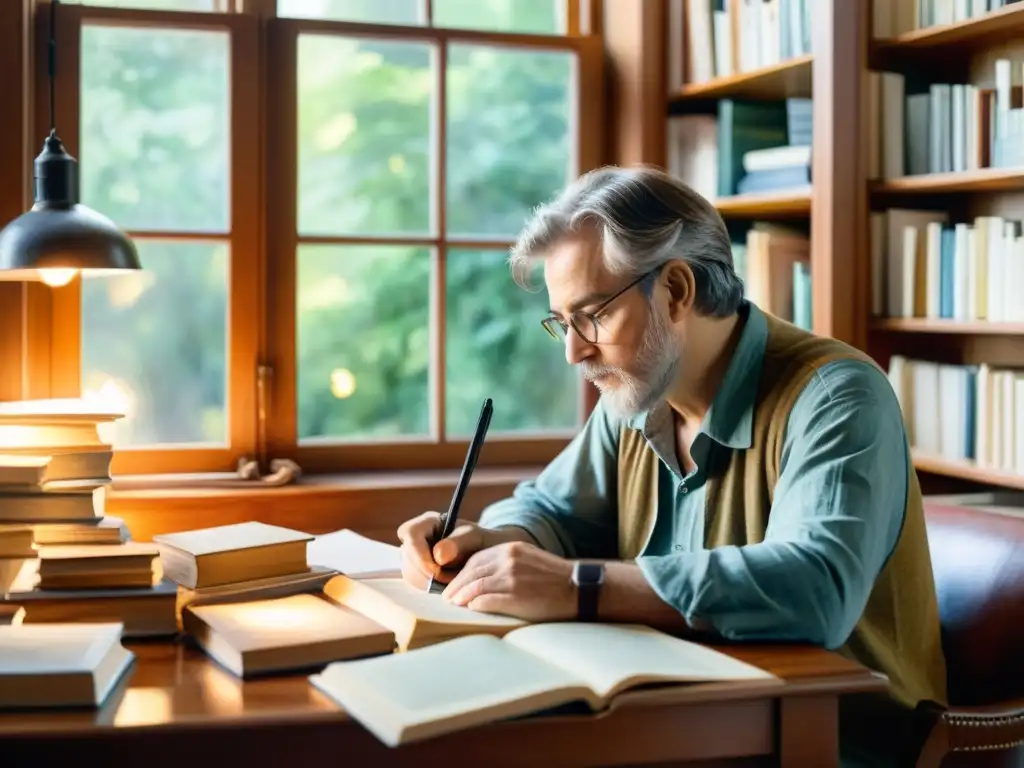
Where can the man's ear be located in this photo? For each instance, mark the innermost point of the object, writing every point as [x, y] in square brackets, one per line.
[681, 287]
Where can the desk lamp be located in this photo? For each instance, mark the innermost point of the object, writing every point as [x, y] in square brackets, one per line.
[59, 237]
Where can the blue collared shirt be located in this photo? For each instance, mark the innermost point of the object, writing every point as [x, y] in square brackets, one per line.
[837, 512]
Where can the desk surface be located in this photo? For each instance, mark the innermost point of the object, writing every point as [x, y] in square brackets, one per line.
[173, 690]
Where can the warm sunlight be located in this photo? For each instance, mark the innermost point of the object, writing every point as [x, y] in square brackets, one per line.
[111, 395]
[343, 383]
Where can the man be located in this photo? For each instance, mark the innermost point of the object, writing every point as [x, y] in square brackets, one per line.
[738, 476]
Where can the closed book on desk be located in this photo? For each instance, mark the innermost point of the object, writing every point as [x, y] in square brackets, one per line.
[85, 505]
[17, 541]
[480, 679]
[98, 566]
[108, 530]
[60, 665]
[142, 611]
[417, 617]
[284, 633]
[228, 553]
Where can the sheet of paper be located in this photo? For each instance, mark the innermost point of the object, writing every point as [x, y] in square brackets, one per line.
[354, 555]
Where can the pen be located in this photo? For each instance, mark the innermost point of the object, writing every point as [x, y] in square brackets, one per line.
[472, 455]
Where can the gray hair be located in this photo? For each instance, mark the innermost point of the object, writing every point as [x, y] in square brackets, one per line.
[645, 218]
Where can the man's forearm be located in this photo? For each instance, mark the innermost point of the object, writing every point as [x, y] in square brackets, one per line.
[505, 534]
[627, 597]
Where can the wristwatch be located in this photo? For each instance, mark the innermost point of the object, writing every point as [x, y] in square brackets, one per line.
[587, 577]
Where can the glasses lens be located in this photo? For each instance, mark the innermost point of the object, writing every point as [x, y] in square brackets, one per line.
[585, 325]
[554, 327]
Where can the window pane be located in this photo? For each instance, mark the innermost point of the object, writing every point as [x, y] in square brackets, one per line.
[364, 136]
[163, 5]
[363, 341]
[366, 11]
[541, 17]
[509, 146]
[155, 126]
[155, 343]
[497, 348]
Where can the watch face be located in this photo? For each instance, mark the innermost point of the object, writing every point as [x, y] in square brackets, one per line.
[588, 573]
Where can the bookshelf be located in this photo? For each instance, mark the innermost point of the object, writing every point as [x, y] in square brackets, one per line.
[789, 204]
[947, 233]
[972, 34]
[790, 78]
[972, 183]
[740, 103]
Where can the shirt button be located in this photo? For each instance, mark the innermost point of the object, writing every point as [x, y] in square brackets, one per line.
[679, 547]
[684, 490]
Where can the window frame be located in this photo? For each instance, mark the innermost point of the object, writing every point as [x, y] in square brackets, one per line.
[262, 364]
[243, 235]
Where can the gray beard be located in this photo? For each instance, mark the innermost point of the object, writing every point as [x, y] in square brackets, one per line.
[657, 364]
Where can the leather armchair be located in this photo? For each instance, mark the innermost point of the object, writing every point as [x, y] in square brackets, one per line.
[978, 562]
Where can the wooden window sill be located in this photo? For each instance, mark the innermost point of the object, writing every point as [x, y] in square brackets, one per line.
[373, 503]
[206, 484]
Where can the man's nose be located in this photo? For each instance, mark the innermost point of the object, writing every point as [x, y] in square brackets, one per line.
[576, 348]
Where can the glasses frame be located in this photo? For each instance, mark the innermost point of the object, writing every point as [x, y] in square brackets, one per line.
[591, 317]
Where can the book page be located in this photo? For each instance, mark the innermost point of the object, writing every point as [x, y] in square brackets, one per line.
[613, 657]
[446, 687]
[425, 606]
[348, 552]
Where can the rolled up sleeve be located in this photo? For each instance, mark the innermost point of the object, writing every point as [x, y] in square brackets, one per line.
[569, 509]
[836, 516]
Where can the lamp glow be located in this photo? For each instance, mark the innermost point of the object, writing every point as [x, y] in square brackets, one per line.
[57, 278]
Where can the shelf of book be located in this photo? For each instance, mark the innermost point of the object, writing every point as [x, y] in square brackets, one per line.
[932, 325]
[791, 203]
[967, 470]
[787, 79]
[981, 180]
[983, 30]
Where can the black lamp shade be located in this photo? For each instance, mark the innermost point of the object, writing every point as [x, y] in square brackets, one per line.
[58, 232]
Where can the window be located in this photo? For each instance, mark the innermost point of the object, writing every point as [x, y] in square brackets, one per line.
[324, 245]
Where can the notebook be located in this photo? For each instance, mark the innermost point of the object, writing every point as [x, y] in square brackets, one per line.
[417, 617]
[480, 679]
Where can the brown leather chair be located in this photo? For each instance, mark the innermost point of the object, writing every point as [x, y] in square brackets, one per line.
[978, 561]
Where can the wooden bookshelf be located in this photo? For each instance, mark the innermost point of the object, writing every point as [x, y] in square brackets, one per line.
[844, 196]
[958, 54]
[961, 37]
[967, 470]
[789, 204]
[787, 79]
[832, 210]
[983, 180]
[930, 325]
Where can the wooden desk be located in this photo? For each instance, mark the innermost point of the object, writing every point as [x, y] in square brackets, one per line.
[176, 707]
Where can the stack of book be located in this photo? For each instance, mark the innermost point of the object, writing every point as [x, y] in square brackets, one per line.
[257, 598]
[748, 147]
[61, 558]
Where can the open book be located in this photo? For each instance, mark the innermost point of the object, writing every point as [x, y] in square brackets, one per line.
[417, 617]
[479, 679]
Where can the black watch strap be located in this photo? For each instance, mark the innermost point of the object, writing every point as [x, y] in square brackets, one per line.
[588, 578]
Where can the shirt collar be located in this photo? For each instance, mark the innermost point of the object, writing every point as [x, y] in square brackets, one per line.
[730, 419]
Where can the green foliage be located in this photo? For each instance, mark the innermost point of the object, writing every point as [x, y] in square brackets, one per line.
[154, 156]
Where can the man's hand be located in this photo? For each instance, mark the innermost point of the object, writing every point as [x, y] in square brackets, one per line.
[516, 579]
[421, 561]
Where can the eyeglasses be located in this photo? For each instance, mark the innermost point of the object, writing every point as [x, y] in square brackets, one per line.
[586, 323]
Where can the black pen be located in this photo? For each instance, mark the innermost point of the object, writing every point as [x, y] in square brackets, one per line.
[472, 455]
